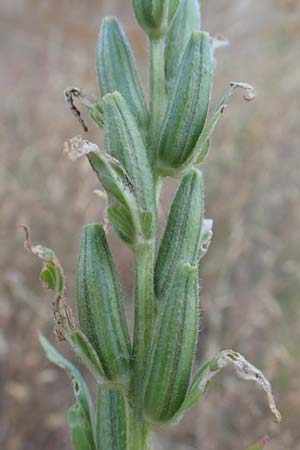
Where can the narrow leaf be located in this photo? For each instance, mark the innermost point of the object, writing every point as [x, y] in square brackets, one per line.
[81, 415]
[202, 146]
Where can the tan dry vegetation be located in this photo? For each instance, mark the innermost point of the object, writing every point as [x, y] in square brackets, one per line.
[251, 276]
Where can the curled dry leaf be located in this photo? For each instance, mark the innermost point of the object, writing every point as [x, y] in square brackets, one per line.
[250, 91]
[77, 147]
[244, 369]
[52, 278]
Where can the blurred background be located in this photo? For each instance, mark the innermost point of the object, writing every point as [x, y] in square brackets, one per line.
[251, 275]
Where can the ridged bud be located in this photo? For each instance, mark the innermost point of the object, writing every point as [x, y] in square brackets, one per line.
[155, 16]
[181, 241]
[186, 21]
[173, 350]
[100, 306]
[117, 69]
[188, 106]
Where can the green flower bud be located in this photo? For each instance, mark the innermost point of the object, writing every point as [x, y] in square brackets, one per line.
[155, 16]
[188, 106]
[117, 70]
[186, 21]
[182, 237]
[173, 349]
[99, 303]
[124, 142]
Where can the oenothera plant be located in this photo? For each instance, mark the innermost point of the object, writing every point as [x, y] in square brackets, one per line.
[145, 382]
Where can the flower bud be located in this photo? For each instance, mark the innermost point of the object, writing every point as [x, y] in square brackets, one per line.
[155, 16]
[117, 70]
[186, 21]
[182, 237]
[173, 349]
[124, 142]
[188, 106]
[99, 303]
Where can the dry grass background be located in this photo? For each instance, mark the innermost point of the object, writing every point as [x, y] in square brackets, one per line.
[251, 276]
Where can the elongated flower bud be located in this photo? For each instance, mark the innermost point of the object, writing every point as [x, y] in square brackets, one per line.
[124, 142]
[188, 106]
[112, 421]
[186, 21]
[155, 16]
[117, 70]
[99, 304]
[182, 237]
[173, 348]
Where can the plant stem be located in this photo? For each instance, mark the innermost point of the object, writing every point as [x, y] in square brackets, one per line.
[139, 434]
[157, 88]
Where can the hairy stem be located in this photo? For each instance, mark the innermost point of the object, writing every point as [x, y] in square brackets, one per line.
[139, 433]
[157, 88]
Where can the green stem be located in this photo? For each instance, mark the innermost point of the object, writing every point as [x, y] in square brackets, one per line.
[139, 432]
[157, 88]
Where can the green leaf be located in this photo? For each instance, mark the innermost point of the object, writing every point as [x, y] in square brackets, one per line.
[188, 106]
[112, 420]
[122, 222]
[186, 21]
[173, 348]
[181, 242]
[82, 414]
[123, 213]
[117, 70]
[84, 350]
[100, 304]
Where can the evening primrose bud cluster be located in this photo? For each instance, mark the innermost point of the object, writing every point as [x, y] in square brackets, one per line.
[144, 375]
